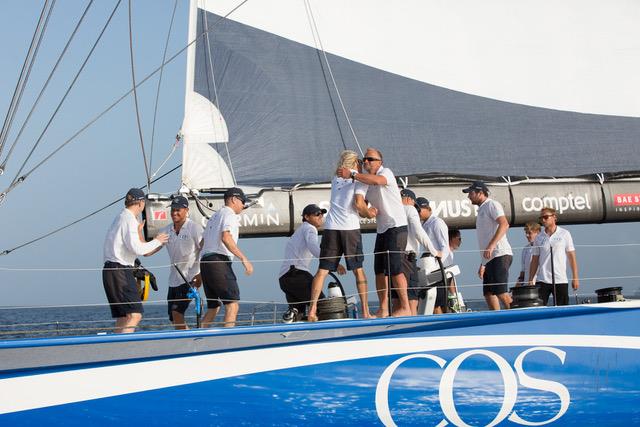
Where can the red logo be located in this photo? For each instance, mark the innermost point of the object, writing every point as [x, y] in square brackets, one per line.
[160, 215]
[626, 199]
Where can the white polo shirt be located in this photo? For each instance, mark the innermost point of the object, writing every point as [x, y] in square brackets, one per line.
[122, 243]
[301, 248]
[184, 251]
[438, 232]
[386, 198]
[527, 254]
[562, 243]
[416, 235]
[486, 227]
[223, 220]
[342, 213]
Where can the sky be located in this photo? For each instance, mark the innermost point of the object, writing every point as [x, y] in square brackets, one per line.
[104, 161]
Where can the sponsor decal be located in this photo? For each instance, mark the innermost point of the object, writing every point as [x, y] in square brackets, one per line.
[159, 215]
[626, 199]
[512, 378]
[560, 203]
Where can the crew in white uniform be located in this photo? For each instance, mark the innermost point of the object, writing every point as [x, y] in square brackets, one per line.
[185, 241]
[531, 231]
[391, 238]
[219, 247]
[122, 245]
[553, 280]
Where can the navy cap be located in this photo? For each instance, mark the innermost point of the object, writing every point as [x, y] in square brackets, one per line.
[476, 186]
[405, 192]
[236, 192]
[422, 202]
[179, 202]
[134, 194]
[313, 209]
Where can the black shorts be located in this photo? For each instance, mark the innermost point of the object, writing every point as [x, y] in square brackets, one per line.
[121, 289]
[296, 285]
[410, 270]
[496, 275]
[178, 299]
[393, 240]
[545, 290]
[442, 293]
[219, 280]
[335, 244]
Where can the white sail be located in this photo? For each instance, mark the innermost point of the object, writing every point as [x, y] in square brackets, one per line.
[203, 126]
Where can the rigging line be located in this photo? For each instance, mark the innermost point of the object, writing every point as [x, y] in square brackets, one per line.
[173, 150]
[333, 80]
[155, 108]
[109, 108]
[324, 77]
[46, 84]
[135, 99]
[25, 72]
[18, 178]
[215, 92]
[8, 251]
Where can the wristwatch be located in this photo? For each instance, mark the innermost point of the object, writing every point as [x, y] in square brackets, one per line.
[353, 175]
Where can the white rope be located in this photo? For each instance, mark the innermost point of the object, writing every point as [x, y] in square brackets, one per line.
[314, 29]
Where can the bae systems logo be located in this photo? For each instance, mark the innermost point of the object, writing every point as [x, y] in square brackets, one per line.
[629, 202]
[512, 378]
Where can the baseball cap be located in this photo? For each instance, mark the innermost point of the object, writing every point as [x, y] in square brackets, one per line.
[313, 209]
[476, 186]
[134, 194]
[422, 202]
[179, 202]
[236, 192]
[405, 192]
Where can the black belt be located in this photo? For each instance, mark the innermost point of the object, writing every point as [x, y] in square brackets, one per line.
[216, 256]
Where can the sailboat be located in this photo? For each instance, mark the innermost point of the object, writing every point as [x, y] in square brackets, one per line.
[274, 91]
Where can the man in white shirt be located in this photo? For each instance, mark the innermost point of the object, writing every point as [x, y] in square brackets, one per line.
[531, 230]
[551, 249]
[219, 247]
[341, 235]
[185, 241]
[295, 278]
[416, 236]
[121, 247]
[496, 255]
[438, 232]
[391, 220]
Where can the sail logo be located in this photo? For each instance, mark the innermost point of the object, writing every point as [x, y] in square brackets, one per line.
[512, 378]
[560, 203]
[626, 199]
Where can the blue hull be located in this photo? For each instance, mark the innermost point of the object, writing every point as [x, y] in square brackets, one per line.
[569, 365]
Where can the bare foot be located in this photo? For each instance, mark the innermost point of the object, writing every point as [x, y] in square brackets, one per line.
[381, 314]
[401, 313]
[369, 316]
[312, 318]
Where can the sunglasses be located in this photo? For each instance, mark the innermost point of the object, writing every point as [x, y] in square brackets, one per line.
[370, 159]
[545, 216]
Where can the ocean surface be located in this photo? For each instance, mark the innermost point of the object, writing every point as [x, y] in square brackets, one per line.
[36, 322]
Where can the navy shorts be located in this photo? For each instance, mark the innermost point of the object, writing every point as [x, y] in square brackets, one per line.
[121, 289]
[335, 244]
[177, 299]
[496, 275]
[393, 240]
[219, 280]
[410, 270]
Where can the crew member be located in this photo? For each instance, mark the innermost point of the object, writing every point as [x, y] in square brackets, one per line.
[531, 231]
[185, 242]
[496, 254]
[341, 235]
[553, 280]
[121, 247]
[391, 238]
[219, 247]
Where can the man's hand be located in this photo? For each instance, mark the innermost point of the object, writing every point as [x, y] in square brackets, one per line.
[162, 238]
[486, 254]
[575, 283]
[197, 281]
[343, 173]
[373, 212]
[481, 271]
[341, 270]
[438, 254]
[248, 267]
